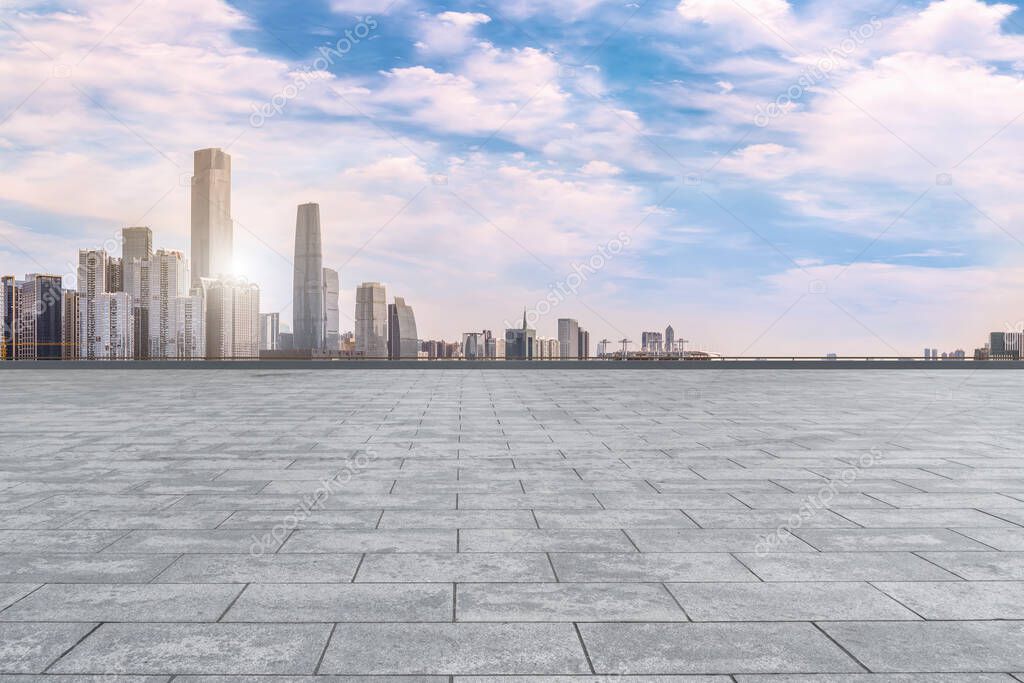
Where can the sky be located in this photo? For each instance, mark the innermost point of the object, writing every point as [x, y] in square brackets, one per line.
[770, 177]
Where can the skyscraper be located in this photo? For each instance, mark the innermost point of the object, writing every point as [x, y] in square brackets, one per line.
[212, 232]
[270, 329]
[308, 290]
[92, 283]
[670, 339]
[107, 327]
[332, 315]
[190, 326]
[584, 345]
[232, 318]
[402, 339]
[9, 306]
[39, 329]
[371, 321]
[168, 283]
[70, 320]
[568, 338]
[520, 343]
[136, 243]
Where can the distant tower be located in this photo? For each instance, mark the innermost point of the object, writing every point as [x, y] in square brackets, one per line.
[670, 339]
[371, 321]
[136, 243]
[308, 292]
[568, 338]
[212, 232]
[332, 316]
[402, 338]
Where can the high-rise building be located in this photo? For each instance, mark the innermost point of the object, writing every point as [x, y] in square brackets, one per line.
[308, 285]
[670, 339]
[92, 283]
[270, 330]
[332, 315]
[568, 338]
[39, 329]
[997, 345]
[70, 321]
[212, 231]
[190, 326]
[584, 345]
[548, 349]
[232, 318]
[115, 274]
[8, 320]
[106, 326]
[402, 339]
[520, 343]
[474, 345]
[136, 243]
[168, 285]
[371, 321]
[651, 342]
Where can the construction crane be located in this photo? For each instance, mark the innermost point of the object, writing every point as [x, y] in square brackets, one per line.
[625, 346]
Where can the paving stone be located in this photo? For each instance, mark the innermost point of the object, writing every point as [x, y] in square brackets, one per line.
[998, 539]
[847, 566]
[455, 567]
[458, 519]
[371, 541]
[197, 541]
[31, 648]
[937, 646]
[906, 518]
[9, 592]
[711, 540]
[454, 648]
[543, 540]
[804, 601]
[712, 648]
[566, 602]
[627, 567]
[147, 520]
[849, 540]
[978, 566]
[961, 600]
[332, 602]
[41, 540]
[198, 648]
[293, 568]
[82, 567]
[613, 519]
[124, 602]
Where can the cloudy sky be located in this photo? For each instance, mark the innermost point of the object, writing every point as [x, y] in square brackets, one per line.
[769, 177]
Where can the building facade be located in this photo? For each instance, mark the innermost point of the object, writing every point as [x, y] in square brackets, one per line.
[136, 243]
[107, 327]
[402, 340]
[270, 331]
[308, 286]
[212, 230]
[371, 321]
[520, 343]
[70, 321]
[232, 318]
[568, 338]
[332, 314]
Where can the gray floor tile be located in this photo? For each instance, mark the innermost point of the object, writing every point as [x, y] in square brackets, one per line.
[294, 568]
[804, 601]
[9, 592]
[345, 602]
[371, 541]
[458, 519]
[198, 648]
[566, 602]
[194, 541]
[986, 566]
[855, 566]
[124, 602]
[613, 519]
[82, 567]
[56, 541]
[851, 540]
[998, 539]
[947, 600]
[454, 649]
[451, 567]
[543, 540]
[711, 540]
[30, 648]
[938, 646]
[627, 567]
[712, 648]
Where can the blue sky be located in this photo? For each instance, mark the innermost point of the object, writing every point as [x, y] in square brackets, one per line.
[791, 177]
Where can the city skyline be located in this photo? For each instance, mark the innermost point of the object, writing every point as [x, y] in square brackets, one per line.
[769, 207]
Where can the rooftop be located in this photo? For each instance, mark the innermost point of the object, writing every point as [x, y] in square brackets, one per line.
[476, 523]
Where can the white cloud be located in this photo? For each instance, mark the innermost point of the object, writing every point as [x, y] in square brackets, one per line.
[600, 168]
[450, 32]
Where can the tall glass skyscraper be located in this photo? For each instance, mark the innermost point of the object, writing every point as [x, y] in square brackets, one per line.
[212, 231]
[371, 321]
[332, 316]
[308, 293]
[402, 339]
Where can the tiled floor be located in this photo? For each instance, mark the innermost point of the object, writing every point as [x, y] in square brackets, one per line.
[752, 526]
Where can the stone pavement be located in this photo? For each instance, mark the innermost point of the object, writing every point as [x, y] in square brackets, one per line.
[754, 526]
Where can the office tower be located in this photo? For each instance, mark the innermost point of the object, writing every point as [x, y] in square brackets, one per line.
[115, 274]
[308, 285]
[106, 326]
[190, 326]
[670, 339]
[92, 282]
[136, 243]
[38, 323]
[651, 342]
[569, 338]
[520, 343]
[371, 321]
[168, 283]
[1013, 345]
[270, 329]
[402, 339]
[69, 316]
[997, 344]
[548, 349]
[232, 318]
[212, 232]
[9, 306]
[136, 281]
[474, 346]
[584, 345]
[332, 315]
